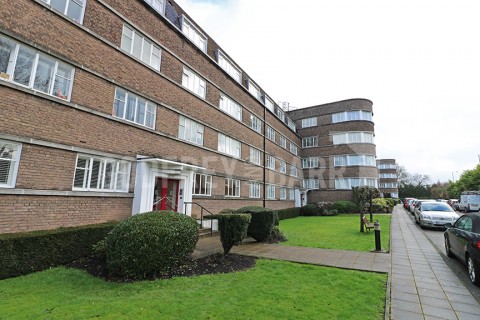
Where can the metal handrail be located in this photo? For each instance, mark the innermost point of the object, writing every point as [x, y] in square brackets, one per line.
[202, 208]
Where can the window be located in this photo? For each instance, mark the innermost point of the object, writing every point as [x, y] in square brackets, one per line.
[255, 156]
[35, 70]
[229, 146]
[132, 108]
[311, 184]
[280, 114]
[309, 122]
[291, 194]
[352, 137]
[269, 104]
[270, 133]
[138, 46]
[232, 188]
[270, 191]
[253, 89]
[229, 67]
[283, 193]
[9, 160]
[193, 82]
[101, 174]
[293, 171]
[387, 176]
[348, 183]
[254, 190]
[283, 141]
[309, 142]
[202, 185]
[291, 125]
[74, 9]
[194, 34]
[158, 5]
[255, 123]
[228, 106]
[283, 166]
[293, 148]
[270, 162]
[356, 115]
[190, 130]
[311, 162]
[391, 185]
[387, 166]
[354, 160]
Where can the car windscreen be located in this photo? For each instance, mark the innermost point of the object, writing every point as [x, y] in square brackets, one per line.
[436, 207]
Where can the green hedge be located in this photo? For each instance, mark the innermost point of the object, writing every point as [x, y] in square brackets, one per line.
[262, 223]
[288, 213]
[23, 253]
[345, 206]
[233, 229]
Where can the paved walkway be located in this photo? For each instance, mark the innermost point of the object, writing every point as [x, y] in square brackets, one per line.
[421, 285]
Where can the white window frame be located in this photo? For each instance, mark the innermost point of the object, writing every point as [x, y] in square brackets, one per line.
[254, 90]
[232, 188]
[270, 162]
[283, 141]
[270, 191]
[291, 195]
[154, 59]
[193, 33]
[194, 83]
[310, 162]
[352, 137]
[387, 176]
[117, 174]
[293, 148]
[255, 123]
[348, 183]
[229, 146]
[291, 124]
[229, 67]
[293, 171]
[309, 122]
[10, 160]
[157, 5]
[121, 107]
[254, 190]
[310, 142]
[282, 166]
[190, 130]
[80, 3]
[352, 115]
[255, 156]
[230, 107]
[311, 183]
[350, 160]
[283, 193]
[270, 133]
[280, 113]
[56, 66]
[269, 104]
[388, 185]
[205, 182]
[387, 166]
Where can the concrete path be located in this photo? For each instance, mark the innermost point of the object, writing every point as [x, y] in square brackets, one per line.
[421, 285]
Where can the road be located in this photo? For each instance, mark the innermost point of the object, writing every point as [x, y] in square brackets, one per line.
[437, 239]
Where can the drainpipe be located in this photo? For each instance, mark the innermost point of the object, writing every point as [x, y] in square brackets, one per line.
[264, 153]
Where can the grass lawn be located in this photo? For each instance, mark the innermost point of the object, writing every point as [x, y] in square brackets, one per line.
[340, 232]
[270, 290]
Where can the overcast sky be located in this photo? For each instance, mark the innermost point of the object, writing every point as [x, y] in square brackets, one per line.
[418, 61]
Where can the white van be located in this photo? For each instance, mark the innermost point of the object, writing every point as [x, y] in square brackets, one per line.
[469, 201]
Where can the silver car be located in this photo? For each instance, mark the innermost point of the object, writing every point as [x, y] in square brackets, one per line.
[434, 214]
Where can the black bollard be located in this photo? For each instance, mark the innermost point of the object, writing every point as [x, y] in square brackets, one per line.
[378, 244]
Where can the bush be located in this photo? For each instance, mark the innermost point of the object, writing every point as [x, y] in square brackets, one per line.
[233, 229]
[344, 206]
[23, 253]
[309, 210]
[149, 244]
[288, 213]
[262, 222]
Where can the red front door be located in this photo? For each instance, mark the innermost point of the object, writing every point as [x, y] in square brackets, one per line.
[166, 194]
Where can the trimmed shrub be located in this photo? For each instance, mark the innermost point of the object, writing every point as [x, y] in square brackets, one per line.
[345, 206]
[318, 209]
[23, 253]
[149, 244]
[288, 213]
[310, 209]
[262, 222]
[233, 229]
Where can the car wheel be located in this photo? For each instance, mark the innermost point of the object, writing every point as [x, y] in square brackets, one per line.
[447, 248]
[473, 272]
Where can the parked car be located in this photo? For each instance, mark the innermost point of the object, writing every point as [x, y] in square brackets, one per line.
[469, 201]
[405, 203]
[434, 214]
[462, 239]
[411, 205]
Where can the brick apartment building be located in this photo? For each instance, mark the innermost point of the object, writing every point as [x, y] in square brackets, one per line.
[387, 177]
[338, 151]
[114, 107]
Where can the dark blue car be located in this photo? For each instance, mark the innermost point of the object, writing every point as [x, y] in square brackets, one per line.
[463, 240]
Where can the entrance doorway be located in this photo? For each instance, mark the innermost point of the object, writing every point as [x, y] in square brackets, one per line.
[166, 194]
